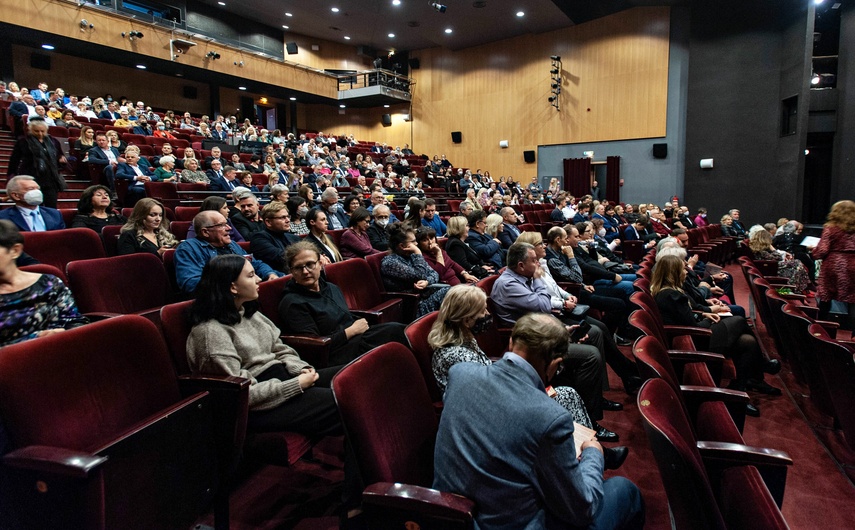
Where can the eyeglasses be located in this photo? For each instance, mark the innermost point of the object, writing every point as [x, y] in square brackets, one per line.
[279, 217]
[306, 267]
[217, 226]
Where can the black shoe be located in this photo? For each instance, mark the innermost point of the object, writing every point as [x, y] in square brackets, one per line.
[632, 383]
[763, 387]
[614, 457]
[620, 341]
[605, 435]
[772, 367]
[612, 406]
[752, 410]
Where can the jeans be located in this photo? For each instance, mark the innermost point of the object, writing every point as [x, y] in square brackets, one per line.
[622, 506]
[625, 284]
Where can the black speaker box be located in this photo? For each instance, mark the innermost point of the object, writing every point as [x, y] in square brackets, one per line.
[660, 150]
[39, 61]
[291, 48]
[528, 156]
[190, 92]
[456, 137]
[387, 119]
[415, 63]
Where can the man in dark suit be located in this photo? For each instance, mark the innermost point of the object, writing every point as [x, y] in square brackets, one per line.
[216, 154]
[110, 113]
[488, 249]
[582, 212]
[27, 214]
[248, 220]
[638, 230]
[106, 157]
[219, 133]
[557, 216]
[222, 179]
[330, 206]
[510, 233]
[269, 244]
[18, 109]
[377, 230]
[142, 127]
[596, 191]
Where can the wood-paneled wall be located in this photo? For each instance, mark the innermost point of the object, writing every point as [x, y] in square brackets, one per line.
[615, 87]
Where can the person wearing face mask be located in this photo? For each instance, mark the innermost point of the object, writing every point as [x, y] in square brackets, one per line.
[313, 306]
[377, 233]
[335, 215]
[28, 214]
[701, 218]
[298, 209]
[557, 214]
[39, 155]
[161, 132]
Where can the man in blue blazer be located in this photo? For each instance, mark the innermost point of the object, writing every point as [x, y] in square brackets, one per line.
[222, 179]
[27, 214]
[539, 482]
[510, 233]
[219, 133]
[488, 249]
[105, 156]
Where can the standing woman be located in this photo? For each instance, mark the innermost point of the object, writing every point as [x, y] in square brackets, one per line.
[836, 249]
[95, 210]
[354, 241]
[39, 155]
[147, 230]
[316, 221]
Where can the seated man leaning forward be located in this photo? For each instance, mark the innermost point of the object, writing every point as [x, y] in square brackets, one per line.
[520, 467]
[212, 239]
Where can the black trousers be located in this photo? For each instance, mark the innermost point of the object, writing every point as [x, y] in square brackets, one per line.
[377, 335]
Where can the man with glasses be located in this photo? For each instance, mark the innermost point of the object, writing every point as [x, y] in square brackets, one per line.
[212, 239]
[269, 244]
[432, 220]
[377, 230]
[489, 249]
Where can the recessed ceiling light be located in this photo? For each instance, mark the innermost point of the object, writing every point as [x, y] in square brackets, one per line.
[241, 88]
[385, 106]
[342, 106]
[448, 30]
[391, 35]
[520, 14]
[346, 37]
[293, 99]
[334, 9]
[396, 2]
[141, 66]
[285, 27]
[48, 46]
[288, 15]
[221, 3]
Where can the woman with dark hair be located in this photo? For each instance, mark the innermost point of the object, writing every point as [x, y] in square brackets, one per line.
[311, 305]
[354, 241]
[415, 213]
[231, 337]
[39, 155]
[405, 270]
[31, 304]
[217, 204]
[450, 272]
[95, 210]
[316, 220]
[298, 209]
[67, 120]
[351, 203]
[147, 230]
[731, 335]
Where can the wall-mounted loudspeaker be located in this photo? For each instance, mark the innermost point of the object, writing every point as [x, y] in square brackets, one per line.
[415, 63]
[660, 150]
[528, 156]
[291, 48]
[456, 137]
[190, 92]
[387, 119]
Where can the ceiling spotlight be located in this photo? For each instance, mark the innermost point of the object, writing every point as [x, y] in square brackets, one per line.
[555, 58]
[342, 106]
[85, 24]
[141, 66]
[346, 37]
[212, 55]
[552, 98]
[239, 64]
[448, 30]
[288, 15]
[334, 9]
[391, 35]
[241, 88]
[396, 2]
[815, 79]
[48, 46]
[554, 71]
[292, 99]
[520, 14]
[438, 7]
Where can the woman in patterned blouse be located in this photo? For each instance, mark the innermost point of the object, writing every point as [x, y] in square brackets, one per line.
[462, 314]
[31, 304]
[405, 270]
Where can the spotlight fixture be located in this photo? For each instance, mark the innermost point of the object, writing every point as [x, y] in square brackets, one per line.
[555, 58]
[815, 79]
[133, 35]
[438, 7]
[552, 98]
[554, 71]
[239, 64]
[212, 55]
[84, 24]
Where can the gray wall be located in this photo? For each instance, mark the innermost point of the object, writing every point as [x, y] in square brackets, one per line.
[843, 174]
[646, 178]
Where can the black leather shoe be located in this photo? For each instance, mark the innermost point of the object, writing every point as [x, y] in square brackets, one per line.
[632, 383]
[614, 457]
[605, 435]
[611, 406]
[621, 341]
[752, 410]
[763, 387]
[772, 367]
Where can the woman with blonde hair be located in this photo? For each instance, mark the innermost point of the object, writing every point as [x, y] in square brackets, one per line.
[836, 249]
[494, 225]
[147, 230]
[794, 270]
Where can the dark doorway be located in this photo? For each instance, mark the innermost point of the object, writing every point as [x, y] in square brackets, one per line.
[817, 181]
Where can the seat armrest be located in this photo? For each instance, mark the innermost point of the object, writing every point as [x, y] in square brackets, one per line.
[811, 311]
[56, 461]
[700, 394]
[729, 454]
[97, 316]
[315, 350]
[427, 501]
[686, 356]
[694, 331]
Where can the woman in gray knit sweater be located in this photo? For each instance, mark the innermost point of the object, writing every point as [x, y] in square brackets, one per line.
[230, 337]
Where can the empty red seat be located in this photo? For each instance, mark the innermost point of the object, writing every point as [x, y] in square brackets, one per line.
[363, 295]
[59, 247]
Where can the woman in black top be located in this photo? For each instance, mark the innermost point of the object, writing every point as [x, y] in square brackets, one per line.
[312, 306]
[147, 230]
[456, 247]
[95, 210]
[731, 335]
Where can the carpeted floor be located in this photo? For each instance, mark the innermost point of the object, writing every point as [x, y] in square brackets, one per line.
[820, 492]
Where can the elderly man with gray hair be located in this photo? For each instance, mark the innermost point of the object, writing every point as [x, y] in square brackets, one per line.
[28, 214]
[248, 221]
[335, 214]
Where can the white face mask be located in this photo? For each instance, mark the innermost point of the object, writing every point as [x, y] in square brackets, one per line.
[333, 208]
[601, 232]
[381, 222]
[301, 212]
[34, 197]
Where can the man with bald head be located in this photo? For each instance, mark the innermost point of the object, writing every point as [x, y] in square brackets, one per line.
[510, 233]
[212, 239]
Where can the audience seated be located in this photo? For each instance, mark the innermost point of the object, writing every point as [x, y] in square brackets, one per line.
[247, 220]
[405, 270]
[31, 305]
[137, 170]
[95, 210]
[431, 218]
[788, 267]
[450, 272]
[269, 245]
[355, 242]
[212, 239]
[217, 204]
[489, 249]
[28, 214]
[147, 230]
[316, 221]
[460, 251]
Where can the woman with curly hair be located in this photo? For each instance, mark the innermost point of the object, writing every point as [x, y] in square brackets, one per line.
[836, 249]
[146, 231]
[95, 210]
[794, 270]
